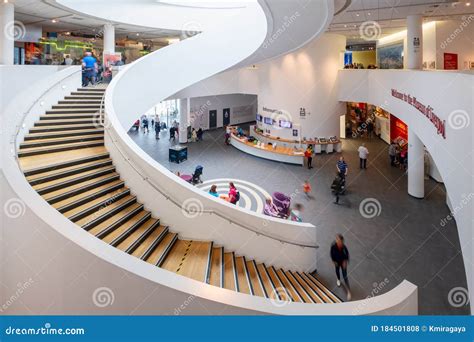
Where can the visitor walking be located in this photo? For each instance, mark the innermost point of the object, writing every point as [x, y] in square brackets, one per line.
[363, 153]
[392, 153]
[309, 157]
[342, 168]
[307, 189]
[89, 69]
[296, 213]
[157, 129]
[340, 258]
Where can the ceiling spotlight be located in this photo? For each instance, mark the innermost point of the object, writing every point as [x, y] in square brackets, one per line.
[138, 34]
[468, 4]
[345, 25]
[54, 21]
[368, 13]
[357, 14]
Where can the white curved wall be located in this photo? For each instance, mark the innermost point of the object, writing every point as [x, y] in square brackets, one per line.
[451, 94]
[305, 78]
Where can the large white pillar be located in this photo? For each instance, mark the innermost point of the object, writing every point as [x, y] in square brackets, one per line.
[109, 39]
[7, 33]
[414, 52]
[416, 166]
[184, 108]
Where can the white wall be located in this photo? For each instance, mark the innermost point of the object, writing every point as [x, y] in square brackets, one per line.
[243, 108]
[305, 78]
[455, 36]
[451, 95]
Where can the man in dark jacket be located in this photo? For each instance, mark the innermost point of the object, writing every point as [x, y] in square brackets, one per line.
[340, 257]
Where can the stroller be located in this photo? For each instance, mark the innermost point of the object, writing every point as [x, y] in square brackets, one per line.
[197, 175]
[283, 204]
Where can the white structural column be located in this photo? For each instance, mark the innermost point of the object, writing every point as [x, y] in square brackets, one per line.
[109, 39]
[416, 165]
[7, 33]
[184, 108]
[414, 52]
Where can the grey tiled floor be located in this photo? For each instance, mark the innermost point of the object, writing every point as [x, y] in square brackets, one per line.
[406, 241]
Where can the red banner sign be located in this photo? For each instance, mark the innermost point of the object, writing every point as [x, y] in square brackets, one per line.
[425, 110]
[450, 61]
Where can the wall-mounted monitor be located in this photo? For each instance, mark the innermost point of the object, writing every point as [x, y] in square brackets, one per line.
[285, 124]
[268, 121]
[259, 118]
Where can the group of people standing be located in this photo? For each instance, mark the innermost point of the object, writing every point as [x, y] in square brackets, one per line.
[398, 156]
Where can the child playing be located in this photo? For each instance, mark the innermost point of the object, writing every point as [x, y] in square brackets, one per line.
[307, 189]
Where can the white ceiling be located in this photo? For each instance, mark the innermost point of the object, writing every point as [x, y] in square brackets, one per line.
[391, 14]
[42, 12]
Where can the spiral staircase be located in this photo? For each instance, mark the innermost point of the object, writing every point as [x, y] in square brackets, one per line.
[64, 159]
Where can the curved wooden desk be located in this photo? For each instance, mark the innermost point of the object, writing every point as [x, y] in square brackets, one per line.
[279, 154]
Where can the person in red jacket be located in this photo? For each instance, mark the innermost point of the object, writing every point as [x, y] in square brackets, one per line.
[234, 194]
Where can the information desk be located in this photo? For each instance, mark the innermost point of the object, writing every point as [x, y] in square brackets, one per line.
[319, 147]
[280, 153]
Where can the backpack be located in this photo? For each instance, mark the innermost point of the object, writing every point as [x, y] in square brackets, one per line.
[237, 196]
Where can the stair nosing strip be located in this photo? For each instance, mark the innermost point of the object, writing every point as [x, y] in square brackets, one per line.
[154, 244]
[122, 237]
[166, 251]
[96, 207]
[246, 271]
[117, 223]
[135, 244]
[94, 223]
[259, 278]
[207, 273]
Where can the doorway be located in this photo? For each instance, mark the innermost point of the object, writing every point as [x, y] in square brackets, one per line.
[226, 117]
[212, 119]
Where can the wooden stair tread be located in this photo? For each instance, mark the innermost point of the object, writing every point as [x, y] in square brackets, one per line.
[280, 289]
[50, 149]
[266, 280]
[316, 298]
[100, 228]
[31, 162]
[216, 267]
[78, 197]
[229, 275]
[103, 211]
[72, 177]
[59, 171]
[289, 288]
[123, 228]
[158, 251]
[107, 197]
[325, 291]
[298, 288]
[136, 234]
[242, 275]
[82, 131]
[253, 278]
[194, 265]
[78, 186]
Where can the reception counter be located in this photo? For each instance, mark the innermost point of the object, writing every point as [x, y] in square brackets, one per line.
[319, 147]
[280, 153]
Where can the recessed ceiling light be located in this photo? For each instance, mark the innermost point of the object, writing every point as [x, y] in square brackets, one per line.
[468, 4]
[357, 14]
[345, 25]
[368, 13]
[54, 21]
[138, 34]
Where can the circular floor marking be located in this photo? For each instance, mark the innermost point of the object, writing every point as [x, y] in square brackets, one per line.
[252, 197]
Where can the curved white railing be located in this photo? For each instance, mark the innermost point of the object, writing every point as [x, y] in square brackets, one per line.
[173, 288]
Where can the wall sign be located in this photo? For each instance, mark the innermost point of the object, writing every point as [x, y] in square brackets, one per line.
[425, 110]
[450, 61]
